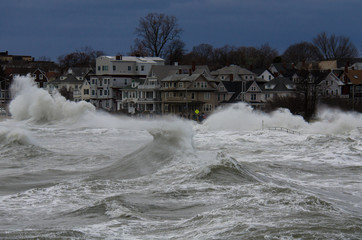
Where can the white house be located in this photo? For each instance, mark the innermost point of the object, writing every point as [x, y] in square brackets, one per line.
[330, 86]
[113, 73]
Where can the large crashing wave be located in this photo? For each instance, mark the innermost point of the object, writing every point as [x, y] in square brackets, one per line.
[172, 140]
[36, 104]
[242, 117]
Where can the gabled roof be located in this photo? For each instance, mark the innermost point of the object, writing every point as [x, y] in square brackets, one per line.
[250, 83]
[279, 84]
[186, 77]
[161, 71]
[232, 87]
[69, 78]
[355, 76]
[81, 71]
[232, 69]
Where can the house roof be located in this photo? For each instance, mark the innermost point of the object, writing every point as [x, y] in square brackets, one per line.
[161, 72]
[69, 78]
[135, 59]
[355, 76]
[233, 87]
[259, 71]
[279, 84]
[232, 69]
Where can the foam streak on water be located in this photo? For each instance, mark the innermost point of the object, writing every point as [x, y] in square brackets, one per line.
[70, 172]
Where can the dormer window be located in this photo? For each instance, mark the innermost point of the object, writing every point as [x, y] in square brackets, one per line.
[290, 86]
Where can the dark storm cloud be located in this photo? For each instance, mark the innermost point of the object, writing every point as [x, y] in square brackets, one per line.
[55, 27]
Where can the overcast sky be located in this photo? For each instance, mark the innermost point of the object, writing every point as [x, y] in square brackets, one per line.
[56, 27]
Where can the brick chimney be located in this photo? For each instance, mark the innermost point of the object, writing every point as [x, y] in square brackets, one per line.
[231, 76]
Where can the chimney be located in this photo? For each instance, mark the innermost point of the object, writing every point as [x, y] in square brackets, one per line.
[119, 57]
[190, 72]
[231, 76]
[193, 66]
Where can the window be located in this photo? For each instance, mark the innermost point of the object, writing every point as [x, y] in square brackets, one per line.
[86, 91]
[114, 68]
[180, 85]
[99, 68]
[149, 94]
[207, 107]
[142, 68]
[129, 68]
[40, 76]
[105, 68]
[222, 77]
[100, 92]
[206, 96]
[253, 88]
[125, 82]
[136, 68]
[253, 97]
[192, 95]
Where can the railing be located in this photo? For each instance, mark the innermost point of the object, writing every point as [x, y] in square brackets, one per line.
[282, 129]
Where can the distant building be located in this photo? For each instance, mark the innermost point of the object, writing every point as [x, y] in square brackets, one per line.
[5, 57]
[113, 73]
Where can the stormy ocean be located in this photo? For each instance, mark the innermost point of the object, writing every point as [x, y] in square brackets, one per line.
[68, 171]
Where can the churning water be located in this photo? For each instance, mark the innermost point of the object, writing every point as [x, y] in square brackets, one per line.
[70, 172]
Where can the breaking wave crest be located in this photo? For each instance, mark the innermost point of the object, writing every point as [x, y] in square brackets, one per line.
[242, 117]
[36, 104]
[15, 136]
[171, 140]
[229, 171]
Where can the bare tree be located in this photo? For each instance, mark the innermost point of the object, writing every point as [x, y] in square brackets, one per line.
[138, 49]
[335, 47]
[301, 52]
[175, 51]
[85, 57]
[156, 30]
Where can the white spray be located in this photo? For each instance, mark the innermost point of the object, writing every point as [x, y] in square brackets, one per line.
[36, 104]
